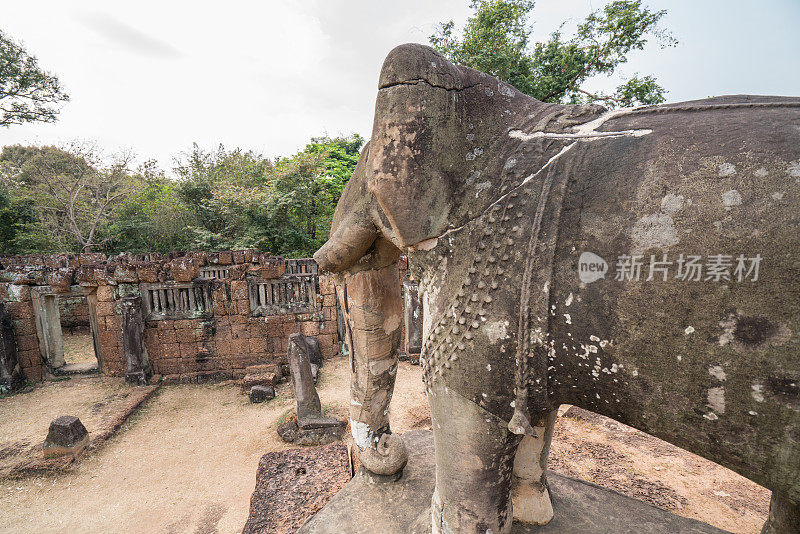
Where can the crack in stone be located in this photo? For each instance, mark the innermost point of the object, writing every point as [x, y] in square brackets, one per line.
[426, 82]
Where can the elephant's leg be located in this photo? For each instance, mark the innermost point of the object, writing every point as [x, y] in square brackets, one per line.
[529, 490]
[474, 463]
[784, 517]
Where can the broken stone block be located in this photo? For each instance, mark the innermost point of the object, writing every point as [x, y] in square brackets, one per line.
[66, 435]
[310, 345]
[310, 428]
[33, 278]
[126, 274]
[185, 269]
[319, 422]
[308, 405]
[292, 484]
[259, 379]
[261, 393]
[264, 368]
[61, 279]
[317, 432]
[272, 268]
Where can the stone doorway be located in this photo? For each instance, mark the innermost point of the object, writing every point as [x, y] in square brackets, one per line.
[66, 327]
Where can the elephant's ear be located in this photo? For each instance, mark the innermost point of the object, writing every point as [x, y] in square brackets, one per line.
[416, 138]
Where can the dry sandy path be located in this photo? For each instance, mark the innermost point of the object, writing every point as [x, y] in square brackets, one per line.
[186, 462]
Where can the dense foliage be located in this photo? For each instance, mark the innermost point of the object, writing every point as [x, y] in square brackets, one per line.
[27, 93]
[496, 40]
[71, 199]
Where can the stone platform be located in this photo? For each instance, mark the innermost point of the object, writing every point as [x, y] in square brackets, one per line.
[367, 505]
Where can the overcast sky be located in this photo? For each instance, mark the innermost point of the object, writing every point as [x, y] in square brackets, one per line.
[155, 77]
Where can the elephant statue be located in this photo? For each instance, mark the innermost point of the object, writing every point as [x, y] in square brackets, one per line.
[640, 263]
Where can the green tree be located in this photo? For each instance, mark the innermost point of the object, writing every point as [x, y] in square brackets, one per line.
[16, 221]
[223, 190]
[153, 218]
[27, 93]
[496, 40]
[72, 192]
[240, 199]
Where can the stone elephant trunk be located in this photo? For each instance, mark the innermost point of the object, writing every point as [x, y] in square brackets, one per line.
[368, 289]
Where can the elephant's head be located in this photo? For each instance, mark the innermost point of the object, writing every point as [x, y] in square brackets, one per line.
[432, 119]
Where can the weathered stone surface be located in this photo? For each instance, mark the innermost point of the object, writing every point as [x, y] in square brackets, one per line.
[66, 435]
[308, 404]
[272, 268]
[238, 331]
[554, 247]
[320, 422]
[261, 393]
[259, 379]
[126, 274]
[784, 517]
[60, 280]
[294, 484]
[11, 376]
[185, 269]
[310, 427]
[310, 344]
[366, 506]
[136, 364]
[314, 432]
[264, 368]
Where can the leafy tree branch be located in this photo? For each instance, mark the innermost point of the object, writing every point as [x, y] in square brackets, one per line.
[496, 40]
[27, 93]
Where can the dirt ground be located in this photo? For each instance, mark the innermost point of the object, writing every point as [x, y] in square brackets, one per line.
[186, 462]
[100, 403]
[78, 348]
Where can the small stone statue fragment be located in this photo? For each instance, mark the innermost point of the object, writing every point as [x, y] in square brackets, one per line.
[310, 428]
[67, 436]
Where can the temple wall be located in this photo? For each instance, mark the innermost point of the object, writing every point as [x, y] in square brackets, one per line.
[206, 315]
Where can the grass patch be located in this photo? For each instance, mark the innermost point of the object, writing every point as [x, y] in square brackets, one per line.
[27, 388]
[289, 412]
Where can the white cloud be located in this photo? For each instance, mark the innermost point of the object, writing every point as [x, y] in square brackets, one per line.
[157, 76]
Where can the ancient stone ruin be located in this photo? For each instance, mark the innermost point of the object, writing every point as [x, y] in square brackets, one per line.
[179, 317]
[310, 427]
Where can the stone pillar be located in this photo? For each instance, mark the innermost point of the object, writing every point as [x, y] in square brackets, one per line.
[308, 405]
[311, 428]
[133, 340]
[413, 317]
[341, 329]
[11, 376]
[48, 329]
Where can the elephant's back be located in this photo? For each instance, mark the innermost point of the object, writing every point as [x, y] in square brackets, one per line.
[677, 280]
